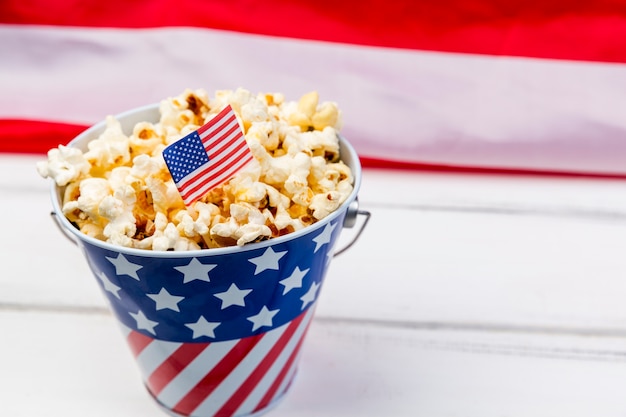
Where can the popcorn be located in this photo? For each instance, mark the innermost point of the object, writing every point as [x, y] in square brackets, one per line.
[120, 190]
[324, 204]
[246, 224]
[91, 193]
[64, 165]
[309, 116]
[110, 149]
[297, 183]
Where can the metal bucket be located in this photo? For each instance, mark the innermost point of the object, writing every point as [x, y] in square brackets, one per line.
[215, 332]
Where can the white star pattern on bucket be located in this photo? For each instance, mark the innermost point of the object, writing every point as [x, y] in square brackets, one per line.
[143, 322]
[294, 280]
[324, 237]
[233, 296]
[124, 267]
[310, 295]
[196, 270]
[263, 318]
[269, 260]
[166, 300]
[108, 285]
[203, 328]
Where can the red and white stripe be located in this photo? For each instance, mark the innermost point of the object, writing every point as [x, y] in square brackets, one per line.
[230, 378]
[493, 84]
[228, 152]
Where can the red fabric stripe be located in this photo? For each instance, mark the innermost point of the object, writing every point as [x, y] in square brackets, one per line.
[230, 407]
[137, 342]
[271, 392]
[559, 29]
[173, 365]
[211, 380]
[29, 136]
[373, 163]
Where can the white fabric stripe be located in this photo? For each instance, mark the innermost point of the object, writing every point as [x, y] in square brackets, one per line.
[194, 372]
[233, 381]
[265, 383]
[399, 104]
[153, 355]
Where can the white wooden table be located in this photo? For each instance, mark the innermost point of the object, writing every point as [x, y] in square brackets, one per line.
[467, 295]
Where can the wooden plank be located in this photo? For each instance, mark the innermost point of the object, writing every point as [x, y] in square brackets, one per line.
[78, 364]
[473, 269]
[571, 196]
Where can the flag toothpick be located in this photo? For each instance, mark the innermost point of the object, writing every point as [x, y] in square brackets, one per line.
[208, 157]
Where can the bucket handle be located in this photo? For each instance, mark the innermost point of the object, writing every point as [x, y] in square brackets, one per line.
[63, 230]
[349, 222]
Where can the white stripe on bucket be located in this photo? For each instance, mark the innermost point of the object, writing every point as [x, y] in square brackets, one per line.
[259, 391]
[232, 382]
[197, 369]
[153, 355]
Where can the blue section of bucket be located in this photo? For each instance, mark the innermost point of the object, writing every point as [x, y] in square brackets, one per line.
[174, 297]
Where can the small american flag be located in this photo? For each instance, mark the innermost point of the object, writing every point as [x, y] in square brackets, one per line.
[218, 335]
[208, 157]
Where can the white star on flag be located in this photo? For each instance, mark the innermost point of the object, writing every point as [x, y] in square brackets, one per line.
[143, 322]
[108, 285]
[324, 237]
[203, 327]
[309, 297]
[233, 296]
[264, 318]
[166, 300]
[294, 280]
[124, 267]
[195, 270]
[269, 260]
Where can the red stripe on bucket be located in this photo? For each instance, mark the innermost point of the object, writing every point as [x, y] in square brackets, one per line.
[211, 380]
[235, 401]
[174, 364]
[138, 342]
[271, 392]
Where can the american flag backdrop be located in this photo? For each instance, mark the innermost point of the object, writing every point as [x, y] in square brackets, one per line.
[209, 156]
[494, 84]
[217, 333]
